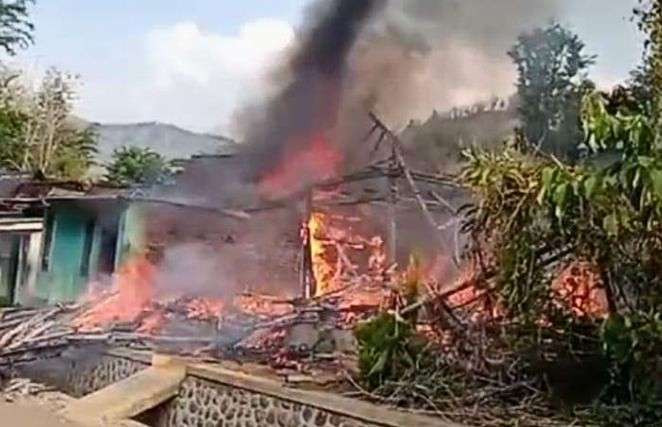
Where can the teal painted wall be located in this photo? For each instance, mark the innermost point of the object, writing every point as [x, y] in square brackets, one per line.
[132, 232]
[63, 281]
[66, 280]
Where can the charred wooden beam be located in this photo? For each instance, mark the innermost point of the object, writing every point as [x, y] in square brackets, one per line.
[306, 273]
[236, 214]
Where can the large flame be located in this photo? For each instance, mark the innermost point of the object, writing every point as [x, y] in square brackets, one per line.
[342, 256]
[323, 269]
[317, 161]
[134, 292]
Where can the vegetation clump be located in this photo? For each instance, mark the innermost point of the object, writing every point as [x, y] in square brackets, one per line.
[131, 166]
[579, 184]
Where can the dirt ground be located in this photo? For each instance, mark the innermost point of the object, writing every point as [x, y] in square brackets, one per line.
[28, 415]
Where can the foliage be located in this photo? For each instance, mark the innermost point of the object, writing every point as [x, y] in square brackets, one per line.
[138, 166]
[536, 213]
[36, 135]
[649, 20]
[633, 342]
[75, 155]
[552, 79]
[388, 347]
[15, 26]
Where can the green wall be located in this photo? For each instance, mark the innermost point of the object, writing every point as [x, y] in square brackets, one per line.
[132, 234]
[8, 265]
[65, 279]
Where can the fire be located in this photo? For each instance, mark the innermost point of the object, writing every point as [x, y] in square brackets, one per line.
[580, 287]
[323, 270]
[317, 161]
[205, 308]
[261, 305]
[341, 256]
[134, 284]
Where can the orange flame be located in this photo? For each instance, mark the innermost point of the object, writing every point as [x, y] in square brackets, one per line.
[318, 161]
[580, 288]
[134, 294]
[341, 256]
[323, 270]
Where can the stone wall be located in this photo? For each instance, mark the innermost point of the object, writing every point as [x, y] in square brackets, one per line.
[85, 379]
[209, 404]
[84, 370]
[212, 396]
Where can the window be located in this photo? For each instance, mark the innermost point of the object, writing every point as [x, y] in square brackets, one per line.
[49, 233]
[87, 248]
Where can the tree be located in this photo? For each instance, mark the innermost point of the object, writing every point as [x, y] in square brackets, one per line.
[15, 26]
[36, 135]
[551, 82]
[648, 78]
[138, 166]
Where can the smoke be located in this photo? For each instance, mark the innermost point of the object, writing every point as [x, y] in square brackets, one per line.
[306, 107]
[438, 54]
[401, 58]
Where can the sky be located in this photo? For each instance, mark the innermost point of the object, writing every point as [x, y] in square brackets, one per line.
[192, 63]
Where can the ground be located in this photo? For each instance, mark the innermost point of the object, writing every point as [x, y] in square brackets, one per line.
[29, 415]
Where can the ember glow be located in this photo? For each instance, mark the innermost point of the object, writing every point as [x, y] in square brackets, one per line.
[580, 288]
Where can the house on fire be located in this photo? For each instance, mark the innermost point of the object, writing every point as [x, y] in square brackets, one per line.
[215, 231]
[57, 239]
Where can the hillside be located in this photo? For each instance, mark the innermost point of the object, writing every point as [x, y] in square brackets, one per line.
[436, 144]
[169, 140]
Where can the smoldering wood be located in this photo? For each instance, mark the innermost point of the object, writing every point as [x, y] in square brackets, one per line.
[441, 180]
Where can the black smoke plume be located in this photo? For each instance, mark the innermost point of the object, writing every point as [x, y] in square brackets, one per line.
[308, 103]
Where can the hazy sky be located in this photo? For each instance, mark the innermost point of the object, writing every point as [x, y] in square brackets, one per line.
[192, 62]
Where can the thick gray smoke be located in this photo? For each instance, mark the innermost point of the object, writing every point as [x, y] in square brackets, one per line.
[438, 54]
[401, 58]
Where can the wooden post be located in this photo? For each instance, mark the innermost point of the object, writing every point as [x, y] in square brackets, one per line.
[306, 275]
[392, 233]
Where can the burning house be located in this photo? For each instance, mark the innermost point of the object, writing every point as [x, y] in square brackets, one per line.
[270, 255]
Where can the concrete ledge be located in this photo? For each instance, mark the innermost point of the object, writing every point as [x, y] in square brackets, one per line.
[129, 397]
[362, 411]
[139, 356]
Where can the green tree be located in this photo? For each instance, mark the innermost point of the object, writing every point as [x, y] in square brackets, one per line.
[16, 28]
[36, 134]
[552, 80]
[138, 166]
[648, 79]
[11, 124]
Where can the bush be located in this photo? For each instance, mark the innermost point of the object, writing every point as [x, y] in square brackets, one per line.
[388, 348]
